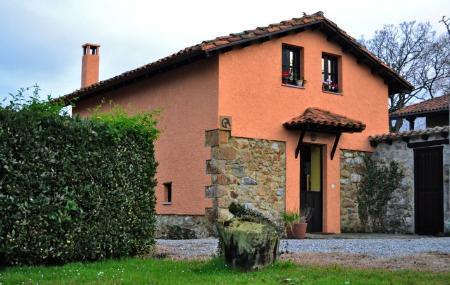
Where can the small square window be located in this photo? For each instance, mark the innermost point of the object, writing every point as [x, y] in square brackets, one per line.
[167, 192]
[330, 75]
[291, 73]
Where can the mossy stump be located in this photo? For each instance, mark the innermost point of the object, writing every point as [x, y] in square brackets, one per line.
[248, 245]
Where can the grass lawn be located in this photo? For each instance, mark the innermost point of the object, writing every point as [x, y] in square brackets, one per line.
[155, 272]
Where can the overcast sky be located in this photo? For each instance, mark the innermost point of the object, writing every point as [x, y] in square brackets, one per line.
[41, 40]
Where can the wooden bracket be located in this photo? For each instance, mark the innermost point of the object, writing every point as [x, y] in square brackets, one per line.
[373, 143]
[300, 141]
[336, 141]
[428, 143]
[424, 137]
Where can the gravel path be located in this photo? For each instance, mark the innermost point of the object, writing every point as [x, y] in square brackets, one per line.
[371, 247]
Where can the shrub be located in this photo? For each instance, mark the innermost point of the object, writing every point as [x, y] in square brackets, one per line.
[378, 183]
[74, 189]
[291, 218]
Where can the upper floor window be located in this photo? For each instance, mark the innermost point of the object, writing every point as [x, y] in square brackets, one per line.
[291, 73]
[330, 76]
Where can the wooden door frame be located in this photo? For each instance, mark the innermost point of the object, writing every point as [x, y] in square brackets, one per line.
[322, 147]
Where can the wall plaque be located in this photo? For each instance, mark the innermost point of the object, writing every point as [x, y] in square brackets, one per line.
[225, 123]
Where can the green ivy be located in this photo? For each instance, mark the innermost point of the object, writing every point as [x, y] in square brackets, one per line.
[74, 189]
[378, 183]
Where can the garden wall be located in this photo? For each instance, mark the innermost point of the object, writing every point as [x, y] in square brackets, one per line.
[399, 216]
[183, 227]
[400, 210]
[352, 163]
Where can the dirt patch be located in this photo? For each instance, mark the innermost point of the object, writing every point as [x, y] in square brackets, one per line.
[436, 262]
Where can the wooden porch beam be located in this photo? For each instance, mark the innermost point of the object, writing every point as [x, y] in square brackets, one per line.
[428, 143]
[336, 141]
[300, 142]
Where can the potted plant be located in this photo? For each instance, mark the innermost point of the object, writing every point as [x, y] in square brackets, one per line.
[290, 220]
[302, 225]
[285, 75]
[296, 224]
[301, 82]
[329, 85]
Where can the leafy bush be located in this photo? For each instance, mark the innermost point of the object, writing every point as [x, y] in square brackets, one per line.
[375, 190]
[72, 188]
[291, 218]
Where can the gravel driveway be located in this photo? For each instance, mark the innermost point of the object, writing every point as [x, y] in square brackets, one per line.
[370, 247]
[387, 252]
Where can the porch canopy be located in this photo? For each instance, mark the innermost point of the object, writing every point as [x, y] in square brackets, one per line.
[318, 120]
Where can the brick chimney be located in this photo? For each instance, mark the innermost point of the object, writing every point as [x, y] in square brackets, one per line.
[89, 64]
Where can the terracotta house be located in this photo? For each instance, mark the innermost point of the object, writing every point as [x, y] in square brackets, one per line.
[260, 117]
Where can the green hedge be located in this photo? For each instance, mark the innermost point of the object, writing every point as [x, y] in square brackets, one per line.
[74, 189]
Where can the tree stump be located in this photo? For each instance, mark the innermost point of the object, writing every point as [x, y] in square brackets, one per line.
[248, 245]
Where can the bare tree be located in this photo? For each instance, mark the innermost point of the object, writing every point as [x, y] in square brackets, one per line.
[446, 22]
[415, 52]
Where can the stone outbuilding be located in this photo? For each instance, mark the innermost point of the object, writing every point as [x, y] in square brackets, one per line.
[421, 204]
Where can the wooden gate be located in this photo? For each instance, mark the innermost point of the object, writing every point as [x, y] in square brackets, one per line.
[429, 190]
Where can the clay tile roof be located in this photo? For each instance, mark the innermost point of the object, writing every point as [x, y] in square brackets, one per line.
[436, 104]
[444, 130]
[221, 44]
[315, 118]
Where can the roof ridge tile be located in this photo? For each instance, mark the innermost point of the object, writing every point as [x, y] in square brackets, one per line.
[222, 42]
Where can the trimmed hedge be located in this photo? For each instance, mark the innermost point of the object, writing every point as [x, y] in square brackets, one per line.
[74, 189]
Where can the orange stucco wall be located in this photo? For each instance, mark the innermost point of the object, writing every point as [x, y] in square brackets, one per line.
[250, 91]
[188, 100]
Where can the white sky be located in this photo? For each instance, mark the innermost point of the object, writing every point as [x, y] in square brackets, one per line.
[41, 40]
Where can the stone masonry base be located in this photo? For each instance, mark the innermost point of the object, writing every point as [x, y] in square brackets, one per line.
[183, 227]
[248, 171]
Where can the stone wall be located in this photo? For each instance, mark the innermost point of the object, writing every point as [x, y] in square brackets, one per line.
[248, 171]
[447, 189]
[352, 163]
[400, 210]
[400, 214]
[183, 227]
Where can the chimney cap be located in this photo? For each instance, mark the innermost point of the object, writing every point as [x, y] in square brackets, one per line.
[90, 45]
